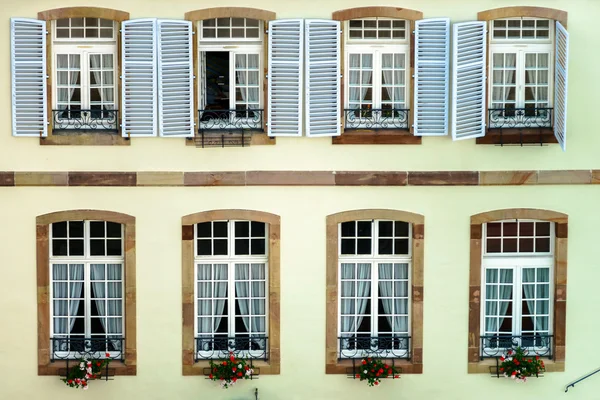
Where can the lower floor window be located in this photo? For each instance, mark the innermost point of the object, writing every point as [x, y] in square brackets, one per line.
[374, 309]
[231, 308]
[518, 306]
[87, 308]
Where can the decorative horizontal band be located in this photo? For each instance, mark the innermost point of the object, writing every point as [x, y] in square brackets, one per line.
[301, 178]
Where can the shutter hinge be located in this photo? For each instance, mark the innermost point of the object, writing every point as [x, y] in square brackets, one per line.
[341, 31]
[47, 76]
[47, 32]
[266, 31]
[120, 76]
[341, 75]
[193, 33]
[267, 124]
[120, 30]
[267, 76]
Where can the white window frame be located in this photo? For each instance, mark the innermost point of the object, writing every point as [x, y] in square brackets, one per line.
[517, 262]
[260, 37]
[87, 260]
[377, 47]
[375, 259]
[55, 37]
[231, 259]
[379, 41]
[84, 53]
[520, 47]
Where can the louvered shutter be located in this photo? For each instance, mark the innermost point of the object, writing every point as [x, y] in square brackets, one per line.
[175, 79]
[432, 59]
[28, 77]
[138, 80]
[560, 85]
[286, 55]
[322, 67]
[468, 80]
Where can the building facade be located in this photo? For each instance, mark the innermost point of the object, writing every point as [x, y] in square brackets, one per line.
[302, 184]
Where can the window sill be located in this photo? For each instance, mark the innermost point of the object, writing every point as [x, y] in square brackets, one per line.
[266, 368]
[512, 136]
[341, 366]
[483, 367]
[77, 138]
[384, 136]
[58, 368]
[257, 138]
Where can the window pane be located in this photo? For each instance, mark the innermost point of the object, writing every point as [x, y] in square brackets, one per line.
[242, 229]
[242, 246]
[348, 246]
[203, 229]
[348, 228]
[385, 246]
[364, 246]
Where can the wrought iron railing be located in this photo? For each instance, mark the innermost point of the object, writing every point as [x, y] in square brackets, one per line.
[376, 118]
[493, 346]
[85, 120]
[220, 347]
[355, 347]
[73, 348]
[230, 120]
[526, 118]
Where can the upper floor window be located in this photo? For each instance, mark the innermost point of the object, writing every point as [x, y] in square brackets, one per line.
[84, 60]
[231, 262]
[374, 281]
[377, 56]
[230, 85]
[86, 290]
[517, 271]
[521, 71]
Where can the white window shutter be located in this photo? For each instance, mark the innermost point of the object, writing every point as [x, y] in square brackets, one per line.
[323, 107]
[286, 55]
[28, 77]
[560, 85]
[432, 65]
[175, 78]
[468, 80]
[138, 80]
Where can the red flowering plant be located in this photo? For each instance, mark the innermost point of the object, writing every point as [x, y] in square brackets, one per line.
[85, 371]
[517, 365]
[373, 371]
[229, 371]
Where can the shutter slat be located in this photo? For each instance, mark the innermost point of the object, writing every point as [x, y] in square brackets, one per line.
[322, 39]
[139, 79]
[432, 58]
[285, 81]
[561, 69]
[28, 77]
[175, 78]
[468, 80]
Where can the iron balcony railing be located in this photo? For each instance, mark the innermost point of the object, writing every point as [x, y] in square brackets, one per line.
[74, 348]
[70, 119]
[221, 347]
[230, 120]
[376, 118]
[493, 346]
[527, 118]
[355, 347]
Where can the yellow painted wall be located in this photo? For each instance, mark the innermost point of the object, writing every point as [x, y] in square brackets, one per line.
[303, 211]
[437, 153]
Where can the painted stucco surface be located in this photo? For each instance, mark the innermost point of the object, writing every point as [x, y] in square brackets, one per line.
[303, 210]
